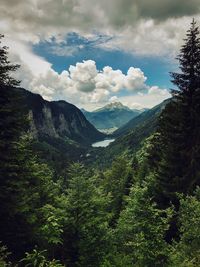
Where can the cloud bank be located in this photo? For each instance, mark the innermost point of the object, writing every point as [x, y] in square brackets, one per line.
[133, 26]
[86, 86]
[34, 15]
[147, 28]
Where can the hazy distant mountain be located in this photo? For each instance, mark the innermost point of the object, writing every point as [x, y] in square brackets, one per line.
[111, 116]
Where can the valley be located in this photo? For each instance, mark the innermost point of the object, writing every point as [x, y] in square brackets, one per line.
[116, 184]
[110, 117]
[61, 134]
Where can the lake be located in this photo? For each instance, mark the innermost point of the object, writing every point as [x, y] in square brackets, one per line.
[103, 143]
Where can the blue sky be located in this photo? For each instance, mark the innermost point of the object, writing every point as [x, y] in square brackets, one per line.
[154, 67]
[92, 52]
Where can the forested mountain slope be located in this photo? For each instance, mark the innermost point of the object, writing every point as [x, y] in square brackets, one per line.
[58, 119]
[129, 138]
[61, 134]
[142, 119]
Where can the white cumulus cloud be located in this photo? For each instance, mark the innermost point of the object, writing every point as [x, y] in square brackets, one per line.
[83, 75]
[86, 86]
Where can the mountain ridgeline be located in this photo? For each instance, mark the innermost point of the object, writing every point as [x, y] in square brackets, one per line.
[146, 119]
[111, 116]
[58, 119]
[60, 133]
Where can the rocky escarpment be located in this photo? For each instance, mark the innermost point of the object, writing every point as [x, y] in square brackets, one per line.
[58, 119]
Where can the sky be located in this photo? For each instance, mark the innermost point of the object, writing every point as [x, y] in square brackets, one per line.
[93, 52]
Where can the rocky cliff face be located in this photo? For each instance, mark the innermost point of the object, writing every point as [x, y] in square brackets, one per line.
[58, 119]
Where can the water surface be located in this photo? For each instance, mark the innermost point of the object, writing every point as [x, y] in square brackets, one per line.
[103, 143]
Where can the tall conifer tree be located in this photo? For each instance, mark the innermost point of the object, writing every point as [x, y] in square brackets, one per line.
[179, 168]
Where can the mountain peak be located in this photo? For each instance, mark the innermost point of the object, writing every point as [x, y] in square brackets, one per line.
[115, 104]
[112, 106]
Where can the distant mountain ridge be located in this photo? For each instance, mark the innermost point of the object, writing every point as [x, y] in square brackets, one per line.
[112, 115]
[113, 106]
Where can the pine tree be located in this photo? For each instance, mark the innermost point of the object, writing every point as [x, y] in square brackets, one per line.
[117, 183]
[6, 67]
[185, 252]
[188, 83]
[20, 175]
[86, 230]
[141, 229]
[179, 169]
[12, 124]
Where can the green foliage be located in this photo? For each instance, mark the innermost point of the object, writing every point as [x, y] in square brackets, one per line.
[186, 252]
[6, 67]
[117, 260]
[141, 230]
[149, 150]
[147, 157]
[178, 169]
[45, 212]
[30, 205]
[13, 184]
[37, 259]
[117, 183]
[87, 219]
[51, 228]
[140, 127]
[57, 153]
[4, 254]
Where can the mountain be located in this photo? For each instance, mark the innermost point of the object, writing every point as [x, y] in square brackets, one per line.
[58, 119]
[146, 117]
[111, 116]
[61, 133]
[130, 136]
[113, 106]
